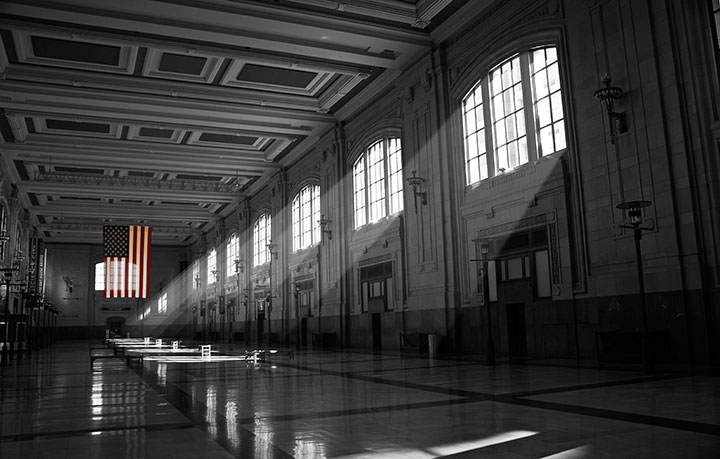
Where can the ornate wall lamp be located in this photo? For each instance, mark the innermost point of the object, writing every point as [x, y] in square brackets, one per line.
[239, 265]
[634, 220]
[607, 96]
[325, 228]
[415, 183]
[4, 237]
[272, 250]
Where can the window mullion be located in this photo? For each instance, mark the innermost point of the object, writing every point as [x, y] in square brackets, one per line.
[386, 171]
[367, 186]
[488, 116]
[529, 106]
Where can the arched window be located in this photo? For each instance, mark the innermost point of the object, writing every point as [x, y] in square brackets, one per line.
[162, 304]
[261, 238]
[305, 216]
[232, 253]
[377, 182]
[195, 275]
[514, 115]
[211, 266]
[100, 276]
[3, 230]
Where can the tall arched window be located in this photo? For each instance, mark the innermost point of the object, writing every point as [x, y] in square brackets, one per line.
[211, 266]
[377, 181]
[305, 216]
[196, 275]
[232, 253]
[514, 115]
[261, 238]
[3, 230]
[100, 276]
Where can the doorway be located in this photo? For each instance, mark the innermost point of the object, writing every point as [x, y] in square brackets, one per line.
[376, 332]
[260, 326]
[115, 325]
[517, 336]
[303, 332]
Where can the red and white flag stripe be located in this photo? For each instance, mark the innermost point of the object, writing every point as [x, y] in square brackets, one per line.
[127, 277]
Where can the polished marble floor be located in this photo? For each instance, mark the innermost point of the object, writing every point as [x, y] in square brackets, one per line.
[349, 404]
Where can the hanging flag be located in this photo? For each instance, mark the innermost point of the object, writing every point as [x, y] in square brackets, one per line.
[127, 261]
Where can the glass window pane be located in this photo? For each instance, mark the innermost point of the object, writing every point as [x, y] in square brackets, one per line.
[546, 140]
[517, 89]
[553, 78]
[541, 84]
[520, 122]
[473, 171]
[557, 108]
[560, 142]
[551, 54]
[496, 83]
[498, 110]
[512, 155]
[502, 158]
[500, 137]
[538, 58]
[511, 128]
[543, 112]
[522, 150]
[509, 101]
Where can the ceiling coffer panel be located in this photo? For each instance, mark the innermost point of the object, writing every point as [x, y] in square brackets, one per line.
[75, 51]
[155, 134]
[188, 65]
[282, 77]
[58, 125]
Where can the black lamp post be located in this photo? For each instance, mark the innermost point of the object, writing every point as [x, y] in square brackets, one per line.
[216, 305]
[297, 317]
[482, 248]
[239, 268]
[634, 214]
[272, 251]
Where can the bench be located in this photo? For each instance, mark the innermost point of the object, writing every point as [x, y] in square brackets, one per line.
[100, 352]
[138, 355]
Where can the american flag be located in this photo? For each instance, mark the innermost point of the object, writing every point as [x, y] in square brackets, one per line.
[127, 261]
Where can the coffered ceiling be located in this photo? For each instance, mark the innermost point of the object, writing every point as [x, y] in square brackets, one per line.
[167, 112]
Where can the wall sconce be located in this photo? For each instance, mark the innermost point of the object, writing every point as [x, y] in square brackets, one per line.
[324, 224]
[4, 237]
[415, 183]
[197, 281]
[214, 272]
[272, 249]
[239, 267]
[608, 95]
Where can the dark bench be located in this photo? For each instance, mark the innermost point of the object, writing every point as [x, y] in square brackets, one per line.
[98, 351]
[138, 355]
[324, 339]
[625, 345]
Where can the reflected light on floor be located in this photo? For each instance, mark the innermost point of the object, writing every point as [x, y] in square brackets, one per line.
[456, 448]
[575, 453]
[445, 450]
